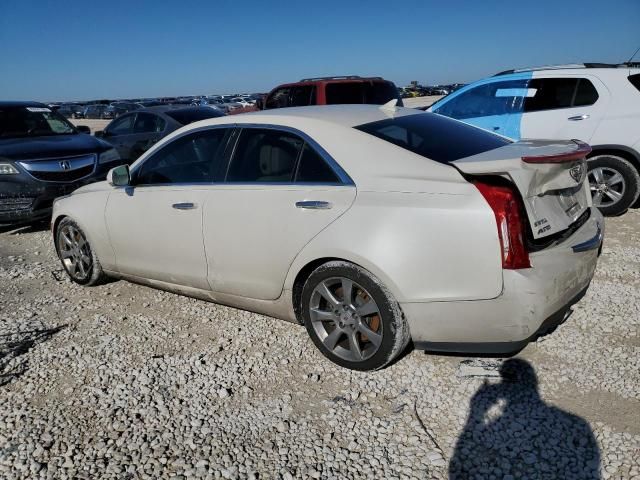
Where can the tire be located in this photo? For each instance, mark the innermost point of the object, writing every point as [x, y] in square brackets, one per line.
[78, 259]
[614, 183]
[371, 318]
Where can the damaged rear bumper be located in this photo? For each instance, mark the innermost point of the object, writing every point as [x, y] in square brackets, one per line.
[533, 301]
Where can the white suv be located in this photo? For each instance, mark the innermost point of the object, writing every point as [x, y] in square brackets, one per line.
[596, 103]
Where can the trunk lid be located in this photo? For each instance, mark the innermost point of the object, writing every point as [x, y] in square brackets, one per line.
[549, 174]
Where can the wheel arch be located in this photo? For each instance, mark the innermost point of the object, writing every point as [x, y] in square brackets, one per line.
[620, 150]
[309, 266]
[300, 279]
[54, 228]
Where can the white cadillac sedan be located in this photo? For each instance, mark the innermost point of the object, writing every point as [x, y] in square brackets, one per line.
[372, 226]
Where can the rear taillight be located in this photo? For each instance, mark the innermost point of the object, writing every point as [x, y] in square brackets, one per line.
[508, 210]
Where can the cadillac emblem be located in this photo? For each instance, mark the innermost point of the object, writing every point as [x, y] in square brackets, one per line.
[577, 172]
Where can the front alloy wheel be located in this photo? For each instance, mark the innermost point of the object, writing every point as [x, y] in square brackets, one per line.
[76, 255]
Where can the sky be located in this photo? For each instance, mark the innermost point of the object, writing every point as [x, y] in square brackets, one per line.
[79, 50]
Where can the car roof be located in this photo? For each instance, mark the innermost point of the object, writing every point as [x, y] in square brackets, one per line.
[21, 104]
[574, 66]
[349, 115]
[347, 79]
[172, 108]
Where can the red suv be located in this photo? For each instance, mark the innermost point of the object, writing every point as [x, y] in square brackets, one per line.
[333, 91]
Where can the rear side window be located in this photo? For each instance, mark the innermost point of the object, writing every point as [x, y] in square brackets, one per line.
[194, 158]
[586, 94]
[550, 93]
[279, 98]
[121, 126]
[376, 93]
[303, 96]
[313, 169]
[434, 137]
[635, 81]
[148, 123]
[264, 156]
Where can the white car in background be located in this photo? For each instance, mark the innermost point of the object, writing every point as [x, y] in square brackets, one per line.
[595, 103]
[372, 226]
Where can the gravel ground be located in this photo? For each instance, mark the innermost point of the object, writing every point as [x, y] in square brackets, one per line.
[122, 381]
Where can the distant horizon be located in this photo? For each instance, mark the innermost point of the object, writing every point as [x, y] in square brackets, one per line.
[56, 52]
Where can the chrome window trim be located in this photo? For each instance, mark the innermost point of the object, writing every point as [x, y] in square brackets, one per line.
[345, 179]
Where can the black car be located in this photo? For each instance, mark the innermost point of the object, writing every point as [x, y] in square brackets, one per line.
[96, 111]
[134, 132]
[120, 108]
[43, 156]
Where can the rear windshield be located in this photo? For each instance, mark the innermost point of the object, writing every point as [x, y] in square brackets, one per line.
[376, 93]
[186, 116]
[435, 137]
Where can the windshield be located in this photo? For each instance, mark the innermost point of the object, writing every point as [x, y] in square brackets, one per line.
[435, 137]
[32, 122]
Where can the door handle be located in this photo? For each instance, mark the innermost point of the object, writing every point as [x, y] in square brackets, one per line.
[314, 205]
[184, 206]
[577, 118]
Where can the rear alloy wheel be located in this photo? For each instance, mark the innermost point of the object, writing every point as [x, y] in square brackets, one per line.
[352, 318]
[75, 253]
[614, 183]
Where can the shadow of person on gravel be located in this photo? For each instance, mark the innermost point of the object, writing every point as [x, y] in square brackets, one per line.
[14, 345]
[512, 433]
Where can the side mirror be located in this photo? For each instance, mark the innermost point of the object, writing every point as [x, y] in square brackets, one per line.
[83, 129]
[119, 176]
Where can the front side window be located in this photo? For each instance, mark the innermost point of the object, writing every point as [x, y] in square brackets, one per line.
[193, 158]
[148, 123]
[434, 137]
[264, 156]
[279, 98]
[121, 126]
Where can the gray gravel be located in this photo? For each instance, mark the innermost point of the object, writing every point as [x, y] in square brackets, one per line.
[122, 381]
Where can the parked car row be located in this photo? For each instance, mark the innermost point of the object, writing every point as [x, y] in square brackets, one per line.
[135, 132]
[421, 91]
